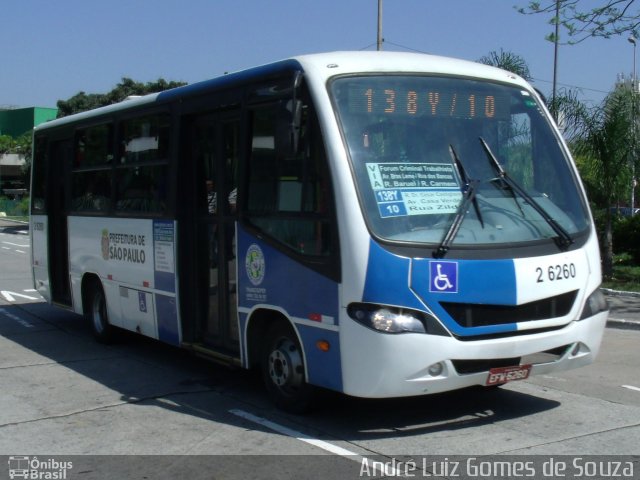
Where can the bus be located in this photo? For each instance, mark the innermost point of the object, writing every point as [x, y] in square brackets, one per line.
[379, 224]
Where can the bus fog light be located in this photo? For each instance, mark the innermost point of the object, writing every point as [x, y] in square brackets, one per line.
[436, 369]
[579, 349]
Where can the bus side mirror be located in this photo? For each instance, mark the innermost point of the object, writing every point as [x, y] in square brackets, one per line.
[288, 127]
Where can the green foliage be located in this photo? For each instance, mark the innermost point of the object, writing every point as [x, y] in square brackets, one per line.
[21, 146]
[580, 21]
[15, 208]
[507, 61]
[626, 237]
[6, 144]
[82, 101]
[24, 145]
[606, 145]
[602, 139]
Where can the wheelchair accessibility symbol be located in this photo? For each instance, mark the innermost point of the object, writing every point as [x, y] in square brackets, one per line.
[443, 277]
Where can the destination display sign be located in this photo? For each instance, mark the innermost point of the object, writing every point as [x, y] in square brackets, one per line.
[402, 189]
[405, 100]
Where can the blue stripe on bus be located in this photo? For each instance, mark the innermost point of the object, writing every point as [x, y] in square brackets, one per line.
[479, 281]
[401, 281]
[387, 280]
[167, 315]
[323, 368]
[270, 278]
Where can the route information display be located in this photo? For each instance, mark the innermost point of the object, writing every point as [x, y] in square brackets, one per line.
[404, 189]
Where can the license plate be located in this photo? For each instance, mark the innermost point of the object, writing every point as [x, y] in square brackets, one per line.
[501, 375]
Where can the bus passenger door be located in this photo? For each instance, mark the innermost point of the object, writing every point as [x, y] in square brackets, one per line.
[61, 159]
[214, 146]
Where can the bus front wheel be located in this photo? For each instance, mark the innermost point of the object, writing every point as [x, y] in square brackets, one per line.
[283, 370]
[98, 316]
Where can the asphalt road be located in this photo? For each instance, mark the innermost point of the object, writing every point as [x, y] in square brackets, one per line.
[140, 409]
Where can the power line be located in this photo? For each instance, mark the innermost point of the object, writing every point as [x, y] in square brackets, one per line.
[405, 47]
[572, 86]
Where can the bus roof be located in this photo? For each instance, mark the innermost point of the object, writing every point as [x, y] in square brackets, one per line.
[340, 63]
[323, 65]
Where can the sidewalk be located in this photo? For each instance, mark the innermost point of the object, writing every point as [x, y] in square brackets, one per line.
[14, 226]
[625, 309]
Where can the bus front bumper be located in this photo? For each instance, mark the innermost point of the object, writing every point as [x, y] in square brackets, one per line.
[378, 365]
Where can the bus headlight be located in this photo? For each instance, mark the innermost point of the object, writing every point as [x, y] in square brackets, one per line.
[595, 304]
[389, 319]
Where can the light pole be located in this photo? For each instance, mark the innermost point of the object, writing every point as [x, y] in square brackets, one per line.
[634, 85]
[556, 39]
[380, 40]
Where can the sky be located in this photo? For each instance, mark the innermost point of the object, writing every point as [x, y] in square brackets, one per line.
[51, 50]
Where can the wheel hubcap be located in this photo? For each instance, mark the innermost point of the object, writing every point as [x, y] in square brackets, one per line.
[285, 365]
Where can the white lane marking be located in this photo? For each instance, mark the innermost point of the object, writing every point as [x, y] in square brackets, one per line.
[10, 296]
[631, 387]
[343, 452]
[16, 318]
[292, 433]
[16, 244]
[20, 251]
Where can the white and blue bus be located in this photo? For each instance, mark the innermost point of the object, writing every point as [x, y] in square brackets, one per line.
[379, 224]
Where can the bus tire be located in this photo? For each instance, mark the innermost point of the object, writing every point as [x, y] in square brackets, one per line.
[282, 364]
[98, 316]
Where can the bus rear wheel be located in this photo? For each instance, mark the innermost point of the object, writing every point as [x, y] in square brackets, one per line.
[98, 316]
[283, 370]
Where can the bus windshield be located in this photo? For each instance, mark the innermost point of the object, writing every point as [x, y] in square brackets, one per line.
[425, 148]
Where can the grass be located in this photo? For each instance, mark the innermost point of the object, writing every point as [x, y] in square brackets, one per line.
[626, 275]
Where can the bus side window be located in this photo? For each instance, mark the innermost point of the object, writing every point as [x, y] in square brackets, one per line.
[39, 175]
[287, 193]
[142, 172]
[92, 169]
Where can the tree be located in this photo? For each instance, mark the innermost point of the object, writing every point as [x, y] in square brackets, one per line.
[7, 144]
[613, 17]
[20, 146]
[24, 146]
[507, 61]
[82, 101]
[603, 139]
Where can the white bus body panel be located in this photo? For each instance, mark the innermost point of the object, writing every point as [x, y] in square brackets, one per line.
[135, 262]
[39, 255]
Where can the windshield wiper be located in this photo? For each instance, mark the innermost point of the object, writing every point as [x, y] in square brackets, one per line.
[469, 196]
[563, 240]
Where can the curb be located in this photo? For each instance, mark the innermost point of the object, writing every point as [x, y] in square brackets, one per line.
[619, 293]
[621, 323]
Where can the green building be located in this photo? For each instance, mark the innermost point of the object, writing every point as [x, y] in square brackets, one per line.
[19, 121]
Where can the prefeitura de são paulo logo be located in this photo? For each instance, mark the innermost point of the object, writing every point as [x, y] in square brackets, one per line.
[254, 264]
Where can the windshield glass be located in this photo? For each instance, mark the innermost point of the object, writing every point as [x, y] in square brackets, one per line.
[404, 134]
